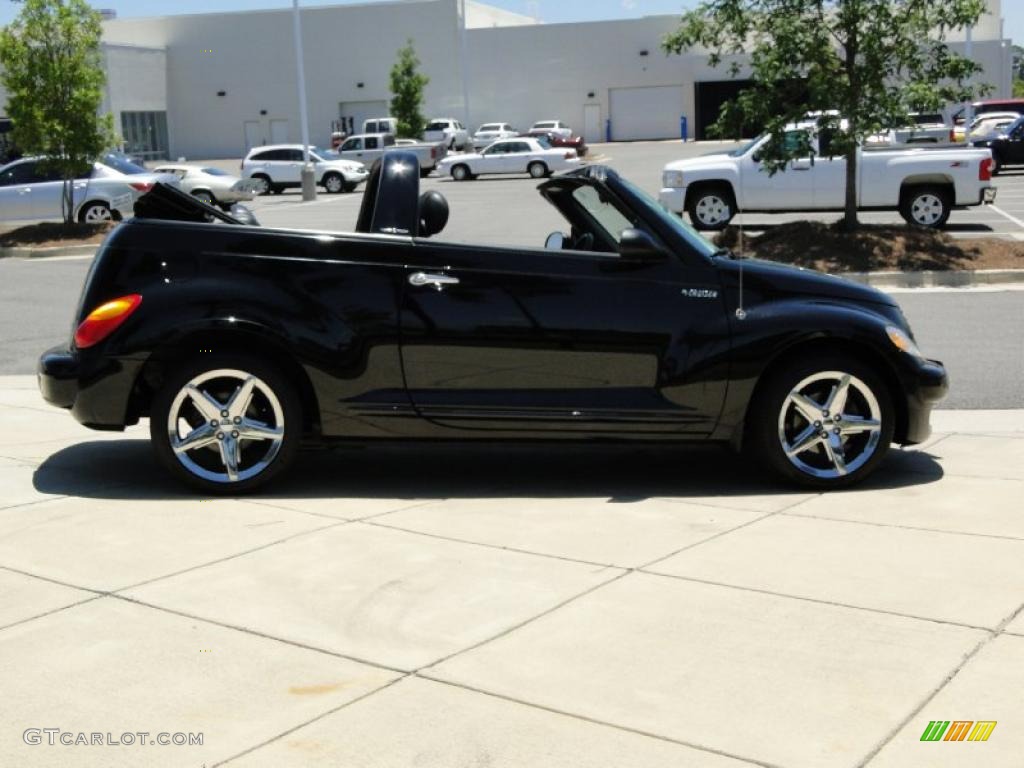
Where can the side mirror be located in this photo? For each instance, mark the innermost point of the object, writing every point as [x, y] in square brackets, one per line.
[555, 242]
[756, 157]
[637, 245]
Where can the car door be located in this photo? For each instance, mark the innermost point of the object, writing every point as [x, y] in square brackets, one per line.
[352, 149]
[527, 341]
[1012, 150]
[518, 157]
[16, 191]
[828, 175]
[789, 189]
[494, 158]
[47, 191]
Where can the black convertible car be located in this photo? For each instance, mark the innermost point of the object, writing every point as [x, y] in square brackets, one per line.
[239, 343]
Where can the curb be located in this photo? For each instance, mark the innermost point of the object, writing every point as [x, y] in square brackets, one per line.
[931, 279]
[41, 253]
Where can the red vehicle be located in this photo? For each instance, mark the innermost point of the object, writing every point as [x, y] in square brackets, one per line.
[555, 140]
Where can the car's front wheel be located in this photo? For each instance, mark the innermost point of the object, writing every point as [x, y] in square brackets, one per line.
[824, 423]
[461, 173]
[334, 183]
[263, 186]
[205, 197]
[711, 208]
[226, 423]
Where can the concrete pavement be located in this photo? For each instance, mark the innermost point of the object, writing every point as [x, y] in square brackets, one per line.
[435, 606]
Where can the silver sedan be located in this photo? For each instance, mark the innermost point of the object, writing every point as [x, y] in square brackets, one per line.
[212, 185]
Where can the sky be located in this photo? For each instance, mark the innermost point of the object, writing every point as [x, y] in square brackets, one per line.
[547, 10]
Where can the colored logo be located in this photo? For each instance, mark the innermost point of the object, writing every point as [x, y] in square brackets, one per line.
[958, 730]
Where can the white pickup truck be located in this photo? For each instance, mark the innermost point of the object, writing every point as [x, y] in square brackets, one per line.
[924, 185]
[367, 147]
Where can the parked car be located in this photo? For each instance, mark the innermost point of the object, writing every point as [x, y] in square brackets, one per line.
[982, 125]
[490, 132]
[143, 179]
[29, 191]
[521, 155]
[986, 130]
[990, 105]
[212, 185]
[920, 128]
[625, 329]
[551, 126]
[447, 130]
[381, 125]
[923, 185]
[367, 147]
[558, 140]
[1008, 148]
[279, 167]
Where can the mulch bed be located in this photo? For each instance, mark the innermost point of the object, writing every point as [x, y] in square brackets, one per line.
[52, 234]
[828, 248]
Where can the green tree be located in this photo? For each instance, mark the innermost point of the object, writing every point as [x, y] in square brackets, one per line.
[53, 74]
[862, 64]
[407, 84]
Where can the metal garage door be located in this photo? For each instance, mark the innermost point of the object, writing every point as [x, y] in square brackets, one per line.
[646, 113]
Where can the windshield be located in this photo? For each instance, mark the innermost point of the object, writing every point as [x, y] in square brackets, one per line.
[740, 151]
[437, 126]
[215, 172]
[489, 127]
[121, 163]
[689, 234]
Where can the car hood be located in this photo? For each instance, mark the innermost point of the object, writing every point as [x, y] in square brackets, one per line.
[770, 278]
[691, 163]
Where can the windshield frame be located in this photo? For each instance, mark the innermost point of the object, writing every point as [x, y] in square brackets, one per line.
[678, 227]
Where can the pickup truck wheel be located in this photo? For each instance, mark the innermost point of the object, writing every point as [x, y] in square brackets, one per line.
[226, 423]
[461, 172]
[710, 209]
[926, 207]
[537, 170]
[95, 213]
[264, 187]
[823, 423]
[334, 183]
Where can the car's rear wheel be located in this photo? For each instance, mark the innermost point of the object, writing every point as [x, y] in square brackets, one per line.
[461, 172]
[95, 213]
[334, 183]
[823, 423]
[711, 208]
[264, 187]
[926, 207]
[226, 423]
[537, 170]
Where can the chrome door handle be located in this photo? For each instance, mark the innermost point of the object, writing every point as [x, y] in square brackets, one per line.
[429, 278]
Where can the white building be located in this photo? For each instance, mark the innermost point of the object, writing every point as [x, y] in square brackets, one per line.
[211, 85]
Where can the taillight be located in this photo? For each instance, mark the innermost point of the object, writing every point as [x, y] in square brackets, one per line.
[985, 170]
[105, 319]
[141, 186]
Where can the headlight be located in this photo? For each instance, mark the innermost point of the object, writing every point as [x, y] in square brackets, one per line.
[902, 341]
[672, 179]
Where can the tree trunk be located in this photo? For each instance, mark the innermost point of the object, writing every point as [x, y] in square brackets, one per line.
[850, 221]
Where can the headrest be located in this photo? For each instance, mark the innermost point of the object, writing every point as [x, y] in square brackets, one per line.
[433, 213]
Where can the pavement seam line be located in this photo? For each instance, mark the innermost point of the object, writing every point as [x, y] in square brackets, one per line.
[336, 524]
[58, 582]
[89, 599]
[334, 517]
[731, 530]
[257, 633]
[321, 716]
[806, 516]
[593, 720]
[985, 641]
[816, 600]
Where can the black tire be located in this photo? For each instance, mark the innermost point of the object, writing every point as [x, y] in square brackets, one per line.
[204, 196]
[333, 182]
[424, 172]
[461, 172]
[537, 170]
[209, 459]
[95, 213]
[268, 187]
[926, 206]
[711, 207]
[772, 418]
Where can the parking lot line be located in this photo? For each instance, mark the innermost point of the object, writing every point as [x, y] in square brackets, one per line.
[1003, 213]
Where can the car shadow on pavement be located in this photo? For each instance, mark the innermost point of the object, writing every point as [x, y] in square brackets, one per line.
[127, 470]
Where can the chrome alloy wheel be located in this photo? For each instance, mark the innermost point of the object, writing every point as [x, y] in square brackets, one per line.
[927, 209]
[97, 214]
[334, 183]
[712, 210]
[830, 425]
[225, 426]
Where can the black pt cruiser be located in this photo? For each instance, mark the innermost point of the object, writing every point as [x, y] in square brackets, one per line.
[239, 343]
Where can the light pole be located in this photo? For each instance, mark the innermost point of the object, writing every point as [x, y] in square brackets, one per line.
[308, 176]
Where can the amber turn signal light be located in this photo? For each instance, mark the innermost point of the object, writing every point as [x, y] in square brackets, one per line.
[105, 319]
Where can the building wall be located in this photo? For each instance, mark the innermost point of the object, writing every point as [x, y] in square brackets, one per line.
[136, 80]
[251, 58]
[480, 15]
